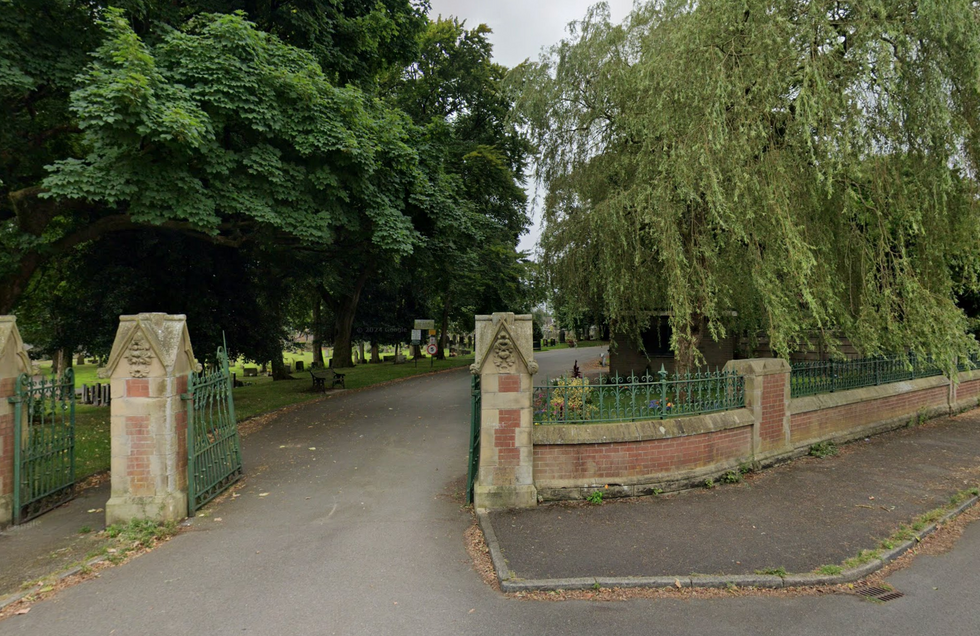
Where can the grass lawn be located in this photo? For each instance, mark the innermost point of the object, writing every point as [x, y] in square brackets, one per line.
[84, 373]
[92, 435]
[91, 440]
[263, 395]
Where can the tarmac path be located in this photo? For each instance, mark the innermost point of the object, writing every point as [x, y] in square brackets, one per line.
[346, 524]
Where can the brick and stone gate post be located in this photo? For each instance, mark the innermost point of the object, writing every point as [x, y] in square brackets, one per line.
[505, 363]
[13, 362]
[767, 395]
[148, 367]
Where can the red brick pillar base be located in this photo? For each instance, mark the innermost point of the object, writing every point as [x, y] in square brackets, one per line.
[13, 362]
[767, 395]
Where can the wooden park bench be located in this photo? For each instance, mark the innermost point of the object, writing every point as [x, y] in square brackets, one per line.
[322, 376]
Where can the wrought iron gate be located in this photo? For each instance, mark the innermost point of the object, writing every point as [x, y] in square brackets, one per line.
[475, 421]
[214, 458]
[44, 444]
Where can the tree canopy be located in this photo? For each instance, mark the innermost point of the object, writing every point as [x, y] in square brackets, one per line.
[795, 168]
[291, 134]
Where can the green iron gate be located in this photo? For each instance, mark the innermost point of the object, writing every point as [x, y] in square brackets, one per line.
[475, 420]
[214, 458]
[44, 444]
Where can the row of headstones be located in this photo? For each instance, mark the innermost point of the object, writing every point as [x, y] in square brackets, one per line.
[550, 342]
[96, 394]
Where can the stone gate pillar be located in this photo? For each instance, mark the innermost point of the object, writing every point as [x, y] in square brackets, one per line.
[13, 362]
[767, 395]
[505, 364]
[148, 367]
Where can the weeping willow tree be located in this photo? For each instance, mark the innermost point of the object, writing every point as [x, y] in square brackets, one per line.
[787, 167]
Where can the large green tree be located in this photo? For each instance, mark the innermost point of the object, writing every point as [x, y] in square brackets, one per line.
[793, 167]
[214, 128]
[218, 128]
[469, 262]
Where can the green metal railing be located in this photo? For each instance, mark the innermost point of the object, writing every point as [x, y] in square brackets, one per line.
[214, 459]
[970, 363]
[476, 410]
[43, 444]
[615, 399]
[828, 376]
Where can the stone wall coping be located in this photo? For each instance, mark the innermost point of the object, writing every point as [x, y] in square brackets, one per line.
[864, 394]
[612, 432]
[759, 366]
[967, 376]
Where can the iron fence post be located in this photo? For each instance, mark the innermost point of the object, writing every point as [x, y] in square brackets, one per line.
[188, 398]
[18, 401]
[475, 432]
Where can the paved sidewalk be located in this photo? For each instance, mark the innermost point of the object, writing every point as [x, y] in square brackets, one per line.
[798, 516]
[53, 541]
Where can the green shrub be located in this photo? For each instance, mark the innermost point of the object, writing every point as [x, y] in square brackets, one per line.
[823, 449]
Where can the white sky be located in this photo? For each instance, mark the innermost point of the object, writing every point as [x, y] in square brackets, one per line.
[521, 28]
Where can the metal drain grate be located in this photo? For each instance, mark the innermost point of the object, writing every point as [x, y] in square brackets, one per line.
[878, 593]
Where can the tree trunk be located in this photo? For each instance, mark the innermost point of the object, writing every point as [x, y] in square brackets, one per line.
[56, 361]
[317, 332]
[360, 351]
[688, 355]
[278, 366]
[441, 353]
[344, 324]
[375, 354]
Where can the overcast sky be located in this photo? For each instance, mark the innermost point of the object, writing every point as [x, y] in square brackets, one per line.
[521, 28]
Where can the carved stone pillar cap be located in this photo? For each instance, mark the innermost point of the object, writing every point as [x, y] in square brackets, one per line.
[503, 350]
[9, 334]
[146, 337]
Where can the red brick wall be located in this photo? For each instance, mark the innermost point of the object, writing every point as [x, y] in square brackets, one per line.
[138, 388]
[968, 390]
[825, 423]
[504, 437]
[141, 448]
[180, 420]
[6, 453]
[627, 460]
[7, 435]
[510, 383]
[773, 411]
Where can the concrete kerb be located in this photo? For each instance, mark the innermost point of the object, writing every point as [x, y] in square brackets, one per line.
[496, 556]
[509, 583]
[10, 599]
